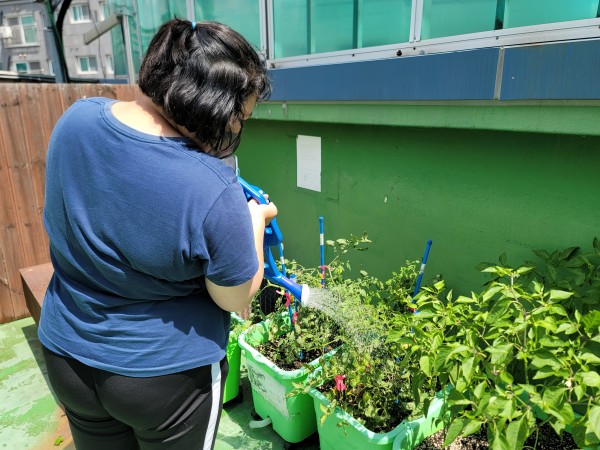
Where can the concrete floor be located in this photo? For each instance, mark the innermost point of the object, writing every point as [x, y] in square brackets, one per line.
[31, 418]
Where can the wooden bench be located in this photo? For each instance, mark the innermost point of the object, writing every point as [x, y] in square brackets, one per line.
[35, 281]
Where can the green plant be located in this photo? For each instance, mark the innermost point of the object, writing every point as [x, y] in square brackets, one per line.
[570, 269]
[309, 333]
[365, 378]
[376, 389]
[511, 353]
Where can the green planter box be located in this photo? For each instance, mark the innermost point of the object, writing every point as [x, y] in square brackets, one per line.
[293, 418]
[234, 357]
[352, 435]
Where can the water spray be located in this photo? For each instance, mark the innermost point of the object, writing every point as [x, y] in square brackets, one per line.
[273, 238]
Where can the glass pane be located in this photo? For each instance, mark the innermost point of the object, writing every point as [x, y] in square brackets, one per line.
[332, 25]
[83, 65]
[30, 34]
[452, 17]
[21, 67]
[241, 15]
[383, 22]
[76, 13]
[290, 28]
[520, 13]
[27, 20]
[93, 64]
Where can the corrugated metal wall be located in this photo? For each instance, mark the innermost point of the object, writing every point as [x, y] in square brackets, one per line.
[28, 113]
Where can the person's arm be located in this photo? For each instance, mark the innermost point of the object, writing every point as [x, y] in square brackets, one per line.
[236, 298]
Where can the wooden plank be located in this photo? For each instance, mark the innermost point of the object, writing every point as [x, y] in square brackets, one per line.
[51, 108]
[10, 232]
[70, 94]
[98, 90]
[35, 281]
[126, 92]
[36, 246]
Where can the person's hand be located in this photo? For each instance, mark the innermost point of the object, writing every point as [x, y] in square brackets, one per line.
[262, 213]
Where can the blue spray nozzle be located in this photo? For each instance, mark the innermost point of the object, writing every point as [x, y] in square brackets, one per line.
[272, 238]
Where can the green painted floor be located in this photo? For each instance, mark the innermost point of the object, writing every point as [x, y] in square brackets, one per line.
[31, 419]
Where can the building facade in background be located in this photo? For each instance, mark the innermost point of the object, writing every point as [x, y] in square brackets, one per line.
[28, 43]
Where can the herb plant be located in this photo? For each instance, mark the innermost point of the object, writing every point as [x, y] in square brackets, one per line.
[515, 354]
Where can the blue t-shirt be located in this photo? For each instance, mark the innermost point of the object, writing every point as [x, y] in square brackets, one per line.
[135, 223]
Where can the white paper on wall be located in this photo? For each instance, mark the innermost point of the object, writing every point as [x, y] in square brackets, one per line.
[308, 159]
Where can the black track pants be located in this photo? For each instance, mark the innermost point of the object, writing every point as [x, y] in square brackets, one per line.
[180, 411]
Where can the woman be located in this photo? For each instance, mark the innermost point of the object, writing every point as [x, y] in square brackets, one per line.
[153, 244]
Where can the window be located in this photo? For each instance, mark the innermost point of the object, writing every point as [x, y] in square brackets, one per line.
[24, 31]
[28, 67]
[110, 66]
[87, 64]
[51, 67]
[80, 14]
[103, 12]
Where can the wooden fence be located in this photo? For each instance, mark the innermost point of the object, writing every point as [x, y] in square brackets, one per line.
[28, 112]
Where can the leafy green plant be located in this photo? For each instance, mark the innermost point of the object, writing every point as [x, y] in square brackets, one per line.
[570, 270]
[309, 333]
[364, 377]
[513, 354]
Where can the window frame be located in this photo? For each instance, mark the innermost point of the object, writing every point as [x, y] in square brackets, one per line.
[526, 35]
[20, 29]
[78, 6]
[89, 71]
[29, 70]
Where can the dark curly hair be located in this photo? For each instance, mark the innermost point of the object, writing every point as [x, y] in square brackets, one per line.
[201, 75]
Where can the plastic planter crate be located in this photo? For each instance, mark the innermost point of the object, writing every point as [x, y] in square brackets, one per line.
[354, 436]
[234, 356]
[293, 418]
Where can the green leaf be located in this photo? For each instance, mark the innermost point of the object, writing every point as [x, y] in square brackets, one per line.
[479, 389]
[567, 328]
[594, 421]
[455, 429]
[545, 358]
[556, 294]
[468, 368]
[522, 270]
[498, 310]
[589, 357]
[591, 320]
[596, 244]
[499, 353]
[491, 291]
[544, 372]
[473, 426]
[567, 253]
[425, 364]
[591, 379]
[516, 432]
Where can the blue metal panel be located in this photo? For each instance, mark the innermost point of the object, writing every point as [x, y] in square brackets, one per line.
[466, 75]
[553, 71]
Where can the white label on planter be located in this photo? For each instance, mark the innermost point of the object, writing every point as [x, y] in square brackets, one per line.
[267, 387]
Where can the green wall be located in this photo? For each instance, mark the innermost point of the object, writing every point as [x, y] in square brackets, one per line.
[475, 192]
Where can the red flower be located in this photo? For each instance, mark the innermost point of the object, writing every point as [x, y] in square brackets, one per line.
[288, 299]
[294, 317]
[339, 382]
